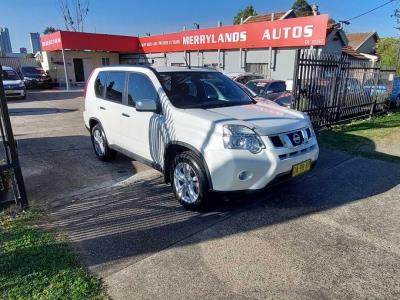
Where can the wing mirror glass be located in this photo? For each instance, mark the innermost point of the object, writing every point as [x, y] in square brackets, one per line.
[146, 105]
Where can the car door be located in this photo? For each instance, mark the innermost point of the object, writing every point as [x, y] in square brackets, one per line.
[110, 88]
[141, 131]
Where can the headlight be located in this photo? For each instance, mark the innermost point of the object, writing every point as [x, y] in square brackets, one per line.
[242, 137]
[21, 84]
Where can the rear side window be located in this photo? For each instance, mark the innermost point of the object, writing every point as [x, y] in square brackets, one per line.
[99, 84]
[140, 87]
[277, 87]
[115, 86]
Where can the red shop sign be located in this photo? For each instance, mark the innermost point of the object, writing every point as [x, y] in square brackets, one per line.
[295, 32]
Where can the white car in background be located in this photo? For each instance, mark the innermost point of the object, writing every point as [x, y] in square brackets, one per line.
[198, 127]
[243, 77]
[14, 87]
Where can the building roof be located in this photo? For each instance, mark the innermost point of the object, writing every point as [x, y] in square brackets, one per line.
[356, 39]
[268, 17]
[348, 50]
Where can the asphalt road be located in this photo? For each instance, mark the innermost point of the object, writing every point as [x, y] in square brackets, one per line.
[332, 233]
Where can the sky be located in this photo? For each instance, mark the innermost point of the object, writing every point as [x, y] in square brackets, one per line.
[137, 17]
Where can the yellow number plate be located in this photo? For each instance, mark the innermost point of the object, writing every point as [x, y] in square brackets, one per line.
[301, 168]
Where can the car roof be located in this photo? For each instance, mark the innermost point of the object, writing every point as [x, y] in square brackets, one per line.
[6, 68]
[266, 80]
[235, 74]
[159, 69]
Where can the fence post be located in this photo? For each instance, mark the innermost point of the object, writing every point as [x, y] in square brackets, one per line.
[20, 194]
[295, 100]
[375, 92]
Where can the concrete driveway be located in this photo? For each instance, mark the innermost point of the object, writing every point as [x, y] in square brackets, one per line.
[332, 233]
[55, 149]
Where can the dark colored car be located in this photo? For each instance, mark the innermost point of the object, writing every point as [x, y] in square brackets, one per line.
[35, 77]
[274, 90]
[243, 78]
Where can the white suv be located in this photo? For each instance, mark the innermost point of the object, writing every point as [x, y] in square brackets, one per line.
[198, 127]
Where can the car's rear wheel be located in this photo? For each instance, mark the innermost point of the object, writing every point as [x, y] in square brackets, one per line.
[100, 144]
[189, 180]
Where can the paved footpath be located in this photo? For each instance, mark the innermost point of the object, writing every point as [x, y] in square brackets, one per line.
[333, 233]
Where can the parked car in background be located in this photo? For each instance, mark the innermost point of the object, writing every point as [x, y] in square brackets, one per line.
[274, 90]
[243, 78]
[35, 77]
[395, 95]
[198, 127]
[14, 87]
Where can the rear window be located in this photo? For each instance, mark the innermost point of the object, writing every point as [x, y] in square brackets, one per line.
[10, 75]
[115, 86]
[99, 84]
[277, 87]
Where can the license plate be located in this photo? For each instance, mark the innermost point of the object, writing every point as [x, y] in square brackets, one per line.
[301, 168]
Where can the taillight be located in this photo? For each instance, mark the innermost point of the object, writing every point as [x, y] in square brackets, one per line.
[86, 84]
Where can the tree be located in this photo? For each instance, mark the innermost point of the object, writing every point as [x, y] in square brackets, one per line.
[302, 9]
[248, 11]
[387, 50]
[74, 13]
[49, 29]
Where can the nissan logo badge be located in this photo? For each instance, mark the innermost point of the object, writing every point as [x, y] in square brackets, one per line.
[296, 138]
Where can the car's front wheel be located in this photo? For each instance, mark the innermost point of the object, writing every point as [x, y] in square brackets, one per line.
[100, 144]
[189, 181]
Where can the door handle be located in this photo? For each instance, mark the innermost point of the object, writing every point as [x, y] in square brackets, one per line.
[102, 107]
[125, 115]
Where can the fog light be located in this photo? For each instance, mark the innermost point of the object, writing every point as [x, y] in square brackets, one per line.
[245, 175]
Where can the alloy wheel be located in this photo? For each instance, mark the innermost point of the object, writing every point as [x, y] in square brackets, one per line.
[186, 183]
[99, 143]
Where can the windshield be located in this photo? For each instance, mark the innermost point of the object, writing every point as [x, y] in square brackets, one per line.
[10, 75]
[32, 71]
[202, 90]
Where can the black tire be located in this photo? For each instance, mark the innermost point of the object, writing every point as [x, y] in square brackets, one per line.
[103, 153]
[194, 161]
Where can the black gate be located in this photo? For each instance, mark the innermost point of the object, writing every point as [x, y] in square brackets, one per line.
[12, 187]
[332, 88]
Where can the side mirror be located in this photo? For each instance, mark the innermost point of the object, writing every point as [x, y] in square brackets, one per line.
[146, 105]
[267, 92]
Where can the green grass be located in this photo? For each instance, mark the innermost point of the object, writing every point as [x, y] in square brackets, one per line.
[36, 264]
[360, 137]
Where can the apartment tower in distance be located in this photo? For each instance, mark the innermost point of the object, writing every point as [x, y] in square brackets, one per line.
[35, 41]
[5, 42]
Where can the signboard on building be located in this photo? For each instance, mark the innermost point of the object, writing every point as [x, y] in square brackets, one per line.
[88, 41]
[295, 32]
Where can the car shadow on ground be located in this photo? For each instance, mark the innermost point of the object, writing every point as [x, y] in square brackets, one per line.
[48, 95]
[54, 167]
[359, 145]
[115, 227]
[38, 111]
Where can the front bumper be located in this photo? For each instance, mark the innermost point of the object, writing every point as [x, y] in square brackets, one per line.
[34, 83]
[21, 92]
[265, 167]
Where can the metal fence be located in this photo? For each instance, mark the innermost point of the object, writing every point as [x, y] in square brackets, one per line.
[12, 187]
[333, 88]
